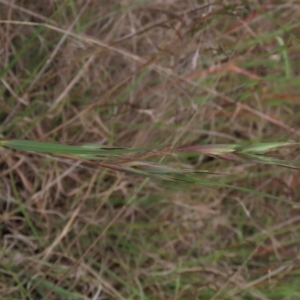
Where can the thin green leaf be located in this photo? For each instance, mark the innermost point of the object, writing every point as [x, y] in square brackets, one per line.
[270, 160]
[262, 148]
[55, 148]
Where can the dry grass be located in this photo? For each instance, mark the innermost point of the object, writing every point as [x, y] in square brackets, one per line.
[148, 74]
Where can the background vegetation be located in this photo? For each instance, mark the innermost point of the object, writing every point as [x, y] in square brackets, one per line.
[149, 74]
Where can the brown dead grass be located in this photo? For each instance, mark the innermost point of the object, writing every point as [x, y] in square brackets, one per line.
[146, 73]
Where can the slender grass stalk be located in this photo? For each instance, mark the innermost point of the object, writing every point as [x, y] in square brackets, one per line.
[231, 152]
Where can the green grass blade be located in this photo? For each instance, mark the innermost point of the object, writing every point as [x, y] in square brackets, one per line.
[55, 148]
[285, 57]
[261, 148]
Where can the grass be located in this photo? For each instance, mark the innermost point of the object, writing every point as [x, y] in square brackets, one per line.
[149, 150]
